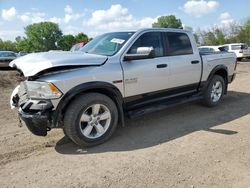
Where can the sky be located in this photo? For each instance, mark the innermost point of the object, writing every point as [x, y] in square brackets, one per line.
[98, 16]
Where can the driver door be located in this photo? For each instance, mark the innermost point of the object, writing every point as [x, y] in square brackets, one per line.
[144, 76]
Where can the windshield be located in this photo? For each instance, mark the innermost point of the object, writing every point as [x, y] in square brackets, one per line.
[107, 44]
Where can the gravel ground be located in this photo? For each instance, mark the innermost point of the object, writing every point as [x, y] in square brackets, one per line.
[185, 146]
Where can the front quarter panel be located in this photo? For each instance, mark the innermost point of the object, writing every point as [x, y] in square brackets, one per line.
[67, 80]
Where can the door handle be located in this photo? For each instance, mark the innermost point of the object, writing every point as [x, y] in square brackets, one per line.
[161, 66]
[195, 62]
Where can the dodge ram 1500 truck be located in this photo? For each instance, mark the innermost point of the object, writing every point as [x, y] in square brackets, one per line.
[119, 74]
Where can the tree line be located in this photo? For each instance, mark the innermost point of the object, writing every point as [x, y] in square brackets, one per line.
[47, 36]
[231, 33]
[41, 37]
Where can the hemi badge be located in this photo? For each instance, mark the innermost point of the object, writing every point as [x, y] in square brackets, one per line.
[117, 81]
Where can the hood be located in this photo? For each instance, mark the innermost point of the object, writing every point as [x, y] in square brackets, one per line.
[34, 63]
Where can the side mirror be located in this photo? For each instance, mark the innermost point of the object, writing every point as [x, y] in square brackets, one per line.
[140, 53]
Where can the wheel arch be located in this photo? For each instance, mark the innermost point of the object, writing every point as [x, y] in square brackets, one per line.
[220, 70]
[98, 87]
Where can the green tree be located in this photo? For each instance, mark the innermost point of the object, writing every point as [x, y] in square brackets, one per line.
[168, 22]
[8, 45]
[42, 36]
[243, 34]
[248, 27]
[81, 37]
[209, 38]
[23, 45]
[220, 37]
[66, 42]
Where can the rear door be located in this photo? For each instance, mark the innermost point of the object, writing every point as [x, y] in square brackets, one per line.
[184, 63]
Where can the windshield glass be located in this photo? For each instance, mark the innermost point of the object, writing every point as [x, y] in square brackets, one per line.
[107, 44]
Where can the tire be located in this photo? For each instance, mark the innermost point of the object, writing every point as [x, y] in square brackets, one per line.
[239, 59]
[213, 96]
[85, 125]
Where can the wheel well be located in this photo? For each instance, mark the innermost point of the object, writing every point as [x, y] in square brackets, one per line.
[223, 74]
[114, 96]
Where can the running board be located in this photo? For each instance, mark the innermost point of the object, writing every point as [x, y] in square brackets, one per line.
[161, 106]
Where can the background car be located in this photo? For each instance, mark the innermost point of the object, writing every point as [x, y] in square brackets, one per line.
[5, 58]
[22, 54]
[240, 49]
[209, 49]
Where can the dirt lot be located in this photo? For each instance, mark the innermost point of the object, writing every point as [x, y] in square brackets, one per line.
[185, 146]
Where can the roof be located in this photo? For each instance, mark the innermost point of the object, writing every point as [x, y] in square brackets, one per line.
[6, 51]
[154, 29]
[235, 44]
[209, 46]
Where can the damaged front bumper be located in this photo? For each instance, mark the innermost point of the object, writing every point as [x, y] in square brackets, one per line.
[35, 113]
[38, 123]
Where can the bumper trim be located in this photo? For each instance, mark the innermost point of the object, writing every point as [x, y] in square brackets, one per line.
[37, 123]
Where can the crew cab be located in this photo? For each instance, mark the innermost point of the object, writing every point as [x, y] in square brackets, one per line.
[117, 75]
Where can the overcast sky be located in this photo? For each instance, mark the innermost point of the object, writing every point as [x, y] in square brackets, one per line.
[94, 17]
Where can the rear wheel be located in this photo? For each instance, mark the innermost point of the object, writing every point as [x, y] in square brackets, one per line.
[215, 91]
[239, 59]
[91, 119]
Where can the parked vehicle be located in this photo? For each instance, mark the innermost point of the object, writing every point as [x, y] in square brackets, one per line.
[240, 49]
[22, 54]
[118, 74]
[5, 58]
[209, 49]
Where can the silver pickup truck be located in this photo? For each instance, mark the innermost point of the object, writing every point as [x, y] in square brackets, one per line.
[117, 75]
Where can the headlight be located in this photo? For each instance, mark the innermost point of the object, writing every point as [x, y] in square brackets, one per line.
[42, 90]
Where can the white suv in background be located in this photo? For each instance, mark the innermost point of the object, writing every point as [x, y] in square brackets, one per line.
[240, 49]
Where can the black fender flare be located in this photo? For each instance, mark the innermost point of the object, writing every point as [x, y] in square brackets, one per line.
[212, 73]
[96, 86]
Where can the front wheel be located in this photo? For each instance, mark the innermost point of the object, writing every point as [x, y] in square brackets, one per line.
[90, 119]
[215, 91]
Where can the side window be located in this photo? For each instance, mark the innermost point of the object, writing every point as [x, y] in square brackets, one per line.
[151, 39]
[224, 48]
[179, 44]
[212, 50]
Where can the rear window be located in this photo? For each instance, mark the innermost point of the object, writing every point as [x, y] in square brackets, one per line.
[206, 50]
[240, 47]
[179, 44]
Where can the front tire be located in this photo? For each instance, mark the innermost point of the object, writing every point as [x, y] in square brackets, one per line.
[90, 119]
[214, 93]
